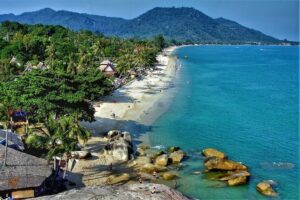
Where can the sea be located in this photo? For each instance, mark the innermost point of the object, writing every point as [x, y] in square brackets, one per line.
[244, 101]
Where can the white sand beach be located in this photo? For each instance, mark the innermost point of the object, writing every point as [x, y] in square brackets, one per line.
[134, 100]
[130, 104]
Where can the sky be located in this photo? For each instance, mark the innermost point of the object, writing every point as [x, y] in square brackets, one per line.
[279, 18]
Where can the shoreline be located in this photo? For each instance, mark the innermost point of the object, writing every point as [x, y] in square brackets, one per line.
[133, 104]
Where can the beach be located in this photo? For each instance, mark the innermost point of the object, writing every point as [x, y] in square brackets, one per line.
[134, 101]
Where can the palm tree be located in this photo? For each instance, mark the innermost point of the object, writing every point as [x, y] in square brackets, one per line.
[61, 136]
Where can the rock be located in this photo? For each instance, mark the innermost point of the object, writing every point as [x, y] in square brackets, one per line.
[80, 154]
[144, 146]
[126, 135]
[235, 174]
[150, 168]
[214, 163]
[140, 152]
[113, 133]
[210, 152]
[124, 192]
[117, 179]
[162, 160]
[169, 176]
[172, 149]
[237, 181]
[120, 145]
[177, 156]
[266, 189]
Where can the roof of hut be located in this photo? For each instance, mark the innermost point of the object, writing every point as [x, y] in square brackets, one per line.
[107, 65]
[14, 141]
[22, 170]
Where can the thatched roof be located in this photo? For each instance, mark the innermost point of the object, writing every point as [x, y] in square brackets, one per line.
[107, 65]
[14, 141]
[22, 170]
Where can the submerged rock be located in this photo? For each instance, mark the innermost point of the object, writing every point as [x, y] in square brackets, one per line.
[214, 163]
[266, 189]
[210, 152]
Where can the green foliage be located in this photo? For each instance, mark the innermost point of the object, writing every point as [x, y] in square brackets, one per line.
[61, 137]
[42, 92]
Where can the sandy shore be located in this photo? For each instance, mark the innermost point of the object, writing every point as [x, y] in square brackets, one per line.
[132, 102]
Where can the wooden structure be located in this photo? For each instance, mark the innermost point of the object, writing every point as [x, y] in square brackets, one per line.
[107, 68]
[22, 173]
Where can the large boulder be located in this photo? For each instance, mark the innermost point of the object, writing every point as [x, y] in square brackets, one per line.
[214, 163]
[162, 160]
[266, 189]
[120, 146]
[177, 156]
[210, 152]
[135, 191]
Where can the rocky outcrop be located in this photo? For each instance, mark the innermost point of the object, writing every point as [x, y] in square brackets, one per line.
[119, 146]
[122, 192]
[220, 168]
[210, 152]
[214, 163]
[266, 189]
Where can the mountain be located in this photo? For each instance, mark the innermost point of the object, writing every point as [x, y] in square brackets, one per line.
[181, 24]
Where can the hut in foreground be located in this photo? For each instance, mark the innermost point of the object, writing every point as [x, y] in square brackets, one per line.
[22, 175]
[107, 68]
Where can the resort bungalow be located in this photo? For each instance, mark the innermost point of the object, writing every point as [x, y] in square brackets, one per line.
[14, 140]
[22, 175]
[107, 68]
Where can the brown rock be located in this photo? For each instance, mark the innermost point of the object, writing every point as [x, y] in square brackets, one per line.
[150, 168]
[169, 176]
[177, 156]
[237, 181]
[210, 152]
[162, 160]
[214, 163]
[117, 179]
[266, 189]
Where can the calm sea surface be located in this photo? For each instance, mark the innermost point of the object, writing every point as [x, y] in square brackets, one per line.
[242, 100]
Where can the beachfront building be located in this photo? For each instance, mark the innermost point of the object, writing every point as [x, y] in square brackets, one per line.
[21, 175]
[107, 68]
[14, 140]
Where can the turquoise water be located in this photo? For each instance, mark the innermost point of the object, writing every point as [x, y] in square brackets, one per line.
[242, 100]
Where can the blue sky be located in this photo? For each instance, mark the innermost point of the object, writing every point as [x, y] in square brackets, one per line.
[279, 18]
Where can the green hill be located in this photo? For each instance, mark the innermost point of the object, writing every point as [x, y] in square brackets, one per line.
[181, 24]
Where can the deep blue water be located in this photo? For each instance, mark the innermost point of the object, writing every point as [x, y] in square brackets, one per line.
[242, 100]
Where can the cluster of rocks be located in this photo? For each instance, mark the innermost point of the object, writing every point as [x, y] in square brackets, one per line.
[119, 145]
[158, 162]
[233, 173]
